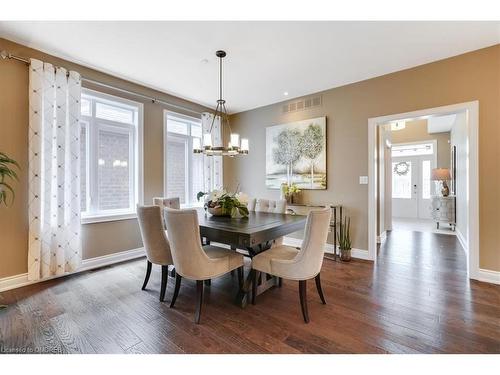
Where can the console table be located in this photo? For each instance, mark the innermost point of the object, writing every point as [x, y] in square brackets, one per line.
[303, 209]
[443, 210]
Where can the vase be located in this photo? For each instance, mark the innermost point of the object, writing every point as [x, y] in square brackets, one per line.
[218, 211]
[345, 255]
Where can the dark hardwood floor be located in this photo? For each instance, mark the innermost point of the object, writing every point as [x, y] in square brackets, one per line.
[415, 299]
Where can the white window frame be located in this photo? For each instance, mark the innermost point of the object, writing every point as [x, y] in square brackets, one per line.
[93, 126]
[189, 141]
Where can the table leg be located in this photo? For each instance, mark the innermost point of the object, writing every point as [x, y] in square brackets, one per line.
[242, 298]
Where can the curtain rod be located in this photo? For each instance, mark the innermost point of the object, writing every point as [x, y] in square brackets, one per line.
[6, 55]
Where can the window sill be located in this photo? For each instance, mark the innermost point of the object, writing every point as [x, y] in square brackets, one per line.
[108, 217]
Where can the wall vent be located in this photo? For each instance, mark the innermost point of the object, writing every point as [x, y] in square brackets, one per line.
[302, 104]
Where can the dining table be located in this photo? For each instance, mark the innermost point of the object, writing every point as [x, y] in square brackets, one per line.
[253, 234]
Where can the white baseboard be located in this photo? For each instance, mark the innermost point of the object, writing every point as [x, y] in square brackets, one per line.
[17, 281]
[382, 237]
[488, 276]
[462, 241]
[355, 253]
[106, 260]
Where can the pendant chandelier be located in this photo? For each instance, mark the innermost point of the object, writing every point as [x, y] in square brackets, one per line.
[231, 145]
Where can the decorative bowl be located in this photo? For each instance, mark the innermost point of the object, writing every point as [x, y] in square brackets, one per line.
[218, 211]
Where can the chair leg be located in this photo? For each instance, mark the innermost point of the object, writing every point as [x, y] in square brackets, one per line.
[148, 273]
[320, 291]
[280, 282]
[303, 299]
[178, 279]
[172, 272]
[255, 279]
[240, 276]
[164, 279]
[208, 282]
[199, 300]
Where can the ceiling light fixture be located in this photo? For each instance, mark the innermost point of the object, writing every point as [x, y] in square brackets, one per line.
[285, 93]
[228, 137]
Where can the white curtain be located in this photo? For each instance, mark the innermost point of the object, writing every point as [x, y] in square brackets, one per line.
[213, 177]
[54, 168]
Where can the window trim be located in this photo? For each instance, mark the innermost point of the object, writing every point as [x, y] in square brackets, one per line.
[189, 141]
[126, 214]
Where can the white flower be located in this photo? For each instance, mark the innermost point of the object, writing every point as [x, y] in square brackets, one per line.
[215, 194]
[242, 197]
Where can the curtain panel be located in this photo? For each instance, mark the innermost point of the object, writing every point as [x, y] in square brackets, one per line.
[213, 178]
[54, 171]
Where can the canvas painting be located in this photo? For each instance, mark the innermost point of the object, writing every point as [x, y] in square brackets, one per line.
[296, 154]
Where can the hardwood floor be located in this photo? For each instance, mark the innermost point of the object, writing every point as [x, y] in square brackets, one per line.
[415, 299]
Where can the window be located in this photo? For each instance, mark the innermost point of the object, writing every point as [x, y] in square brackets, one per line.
[401, 179]
[184, 169]
[412, 149]
[426, 179]
[111, 155]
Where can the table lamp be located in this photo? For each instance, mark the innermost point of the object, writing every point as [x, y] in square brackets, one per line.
[442, 174]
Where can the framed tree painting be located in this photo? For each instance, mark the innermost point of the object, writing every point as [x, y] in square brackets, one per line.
[296, 154]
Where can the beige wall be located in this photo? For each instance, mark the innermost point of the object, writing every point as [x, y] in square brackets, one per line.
[98, 239]
[417, 131]
[472, 76]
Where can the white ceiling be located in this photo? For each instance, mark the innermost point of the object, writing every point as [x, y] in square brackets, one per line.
[265, 59]
[440, 124]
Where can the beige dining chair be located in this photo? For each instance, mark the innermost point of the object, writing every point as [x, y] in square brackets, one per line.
[194, 261]
[293, 264]
[155, 243]
[268, 205]
[166, 203]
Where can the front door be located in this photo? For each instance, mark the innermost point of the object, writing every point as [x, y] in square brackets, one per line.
[411, 186]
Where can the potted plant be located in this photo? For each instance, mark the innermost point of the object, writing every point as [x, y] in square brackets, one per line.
[344, 236]
[7, 172]
[222, 203]
[290, 192]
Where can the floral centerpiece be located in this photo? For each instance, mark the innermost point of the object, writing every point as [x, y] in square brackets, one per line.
[289, 192]
[222, 203]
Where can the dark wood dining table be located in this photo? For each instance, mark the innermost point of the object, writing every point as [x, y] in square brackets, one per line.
[253, 234]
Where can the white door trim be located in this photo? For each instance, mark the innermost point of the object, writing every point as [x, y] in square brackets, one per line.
[472, 113]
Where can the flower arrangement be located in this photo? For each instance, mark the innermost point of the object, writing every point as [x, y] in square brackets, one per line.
[289, 192]
[222, 203]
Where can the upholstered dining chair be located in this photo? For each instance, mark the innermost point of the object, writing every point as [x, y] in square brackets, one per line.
[268, 205]
[166, 203]
[155, 243]
[194, 261]
[293, 264]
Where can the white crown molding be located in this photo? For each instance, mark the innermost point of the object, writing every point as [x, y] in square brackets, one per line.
[17, 281]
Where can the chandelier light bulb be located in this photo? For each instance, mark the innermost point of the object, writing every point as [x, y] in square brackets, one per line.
[235, 140]
[207, 140]
[196, 144]
[244, 145]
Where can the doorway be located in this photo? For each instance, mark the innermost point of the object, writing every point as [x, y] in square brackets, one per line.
[411, 166]
[416, 168]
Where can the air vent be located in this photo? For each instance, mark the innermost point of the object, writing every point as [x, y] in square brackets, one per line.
[302, 104]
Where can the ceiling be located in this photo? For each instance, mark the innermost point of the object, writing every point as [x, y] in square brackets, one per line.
[265, 59]
[440, 124]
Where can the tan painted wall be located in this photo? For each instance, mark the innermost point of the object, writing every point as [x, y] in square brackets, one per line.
[98, 239]
[417, 131]
[472, 76]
